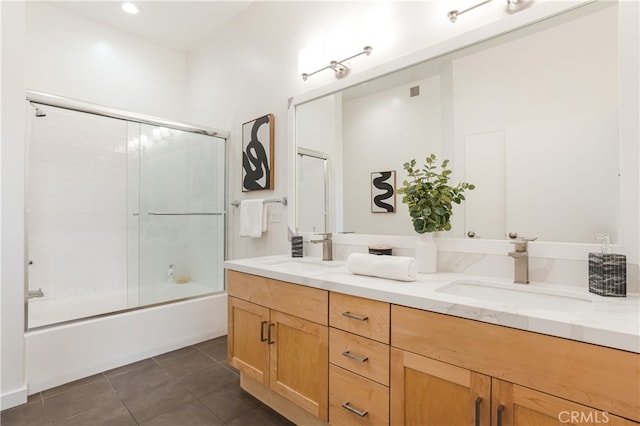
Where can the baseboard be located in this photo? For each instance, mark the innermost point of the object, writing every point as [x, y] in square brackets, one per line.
[13, 399]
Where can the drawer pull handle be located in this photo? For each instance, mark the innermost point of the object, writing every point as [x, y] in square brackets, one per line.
[354, 316]
[262, 337]
[500, 410]
[355, 357]
[346, 406]
[478, 402]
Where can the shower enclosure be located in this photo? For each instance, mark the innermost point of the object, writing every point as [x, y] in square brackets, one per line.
[123, 211]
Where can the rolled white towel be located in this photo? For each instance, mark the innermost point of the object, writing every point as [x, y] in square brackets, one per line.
[399, 268]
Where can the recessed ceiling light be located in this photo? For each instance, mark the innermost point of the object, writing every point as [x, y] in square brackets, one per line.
[130, 8]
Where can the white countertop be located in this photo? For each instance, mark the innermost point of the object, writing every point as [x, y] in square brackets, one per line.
[606, 321]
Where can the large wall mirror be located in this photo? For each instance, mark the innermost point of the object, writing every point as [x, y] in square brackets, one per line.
[530, 117]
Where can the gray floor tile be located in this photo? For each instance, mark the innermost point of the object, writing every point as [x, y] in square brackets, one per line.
[71, 403]
[186, 363]
[158, 400]
[193, 413]
[30, 414]
[130, 368]
[192, 386]
[72, 386]
[140, 381]
[229, 402]
[173, 354]
[206, 381]
[111, 412]
[216, 348]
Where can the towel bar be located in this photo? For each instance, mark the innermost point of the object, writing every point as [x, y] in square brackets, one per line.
[282, 201]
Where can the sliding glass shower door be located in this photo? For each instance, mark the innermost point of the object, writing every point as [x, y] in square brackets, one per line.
[119, 214]
[176, 201]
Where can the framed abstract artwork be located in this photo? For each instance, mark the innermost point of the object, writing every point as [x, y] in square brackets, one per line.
[383, 192]
[257, 154]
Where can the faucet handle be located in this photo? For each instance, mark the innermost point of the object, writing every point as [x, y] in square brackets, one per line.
[521, 243]
[325, 235]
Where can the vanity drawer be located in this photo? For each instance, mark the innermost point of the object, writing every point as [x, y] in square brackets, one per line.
[360, 396]
[303, 302]
[360, 355]
[365, 317]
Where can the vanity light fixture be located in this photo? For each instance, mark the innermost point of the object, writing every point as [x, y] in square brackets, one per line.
[512, 6]
[129, 8]
[453, 14]
[339, 67]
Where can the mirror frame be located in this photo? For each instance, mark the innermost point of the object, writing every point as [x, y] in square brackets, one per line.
[629, 128]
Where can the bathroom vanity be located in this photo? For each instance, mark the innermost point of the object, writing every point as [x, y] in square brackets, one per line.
[321, 345]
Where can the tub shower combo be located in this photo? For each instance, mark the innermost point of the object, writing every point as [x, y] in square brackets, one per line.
[124, 211]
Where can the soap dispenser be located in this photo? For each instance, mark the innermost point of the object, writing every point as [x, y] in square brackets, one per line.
[607, 271]
[171, 274]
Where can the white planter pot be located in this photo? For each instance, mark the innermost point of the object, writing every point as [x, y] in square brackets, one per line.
[426, 253]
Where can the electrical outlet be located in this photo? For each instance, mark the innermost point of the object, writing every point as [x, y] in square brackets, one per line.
[275, 217]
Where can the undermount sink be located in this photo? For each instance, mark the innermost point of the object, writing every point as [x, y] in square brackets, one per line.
[519, 295]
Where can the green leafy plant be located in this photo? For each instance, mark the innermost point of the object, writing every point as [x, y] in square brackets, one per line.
[429, 195]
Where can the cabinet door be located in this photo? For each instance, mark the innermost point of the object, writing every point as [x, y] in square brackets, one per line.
[247, 348]
[299, 358]
[517, 405]
[428, 392]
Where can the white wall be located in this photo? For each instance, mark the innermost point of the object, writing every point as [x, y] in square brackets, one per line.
[78, 58]
[250, 68]
[12, 385]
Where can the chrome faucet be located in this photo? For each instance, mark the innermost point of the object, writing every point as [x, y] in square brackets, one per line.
[521, 260]
[327, 245]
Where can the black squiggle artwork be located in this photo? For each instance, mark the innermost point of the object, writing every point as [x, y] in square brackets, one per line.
[381, 183]
[255, 161]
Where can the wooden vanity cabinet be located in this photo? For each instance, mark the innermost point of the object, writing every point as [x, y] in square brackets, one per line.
[523, 378]
[278, 338]
[318, 356]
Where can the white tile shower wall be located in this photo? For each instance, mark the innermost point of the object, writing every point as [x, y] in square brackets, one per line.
[76, 203]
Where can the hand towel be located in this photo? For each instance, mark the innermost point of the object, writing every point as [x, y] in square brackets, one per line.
[253, 218]
[399, 268]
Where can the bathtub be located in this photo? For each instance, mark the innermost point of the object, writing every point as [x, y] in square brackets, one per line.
[64, 353]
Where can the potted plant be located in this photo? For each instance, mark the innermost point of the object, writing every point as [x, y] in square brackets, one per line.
[430, 199]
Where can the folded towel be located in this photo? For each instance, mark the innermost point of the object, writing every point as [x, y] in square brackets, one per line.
[399, 268]
[253, 218]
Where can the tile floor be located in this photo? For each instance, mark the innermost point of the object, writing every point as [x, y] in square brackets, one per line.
[192, 386]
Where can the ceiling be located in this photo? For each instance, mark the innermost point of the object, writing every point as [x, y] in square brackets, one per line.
[178, 25]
